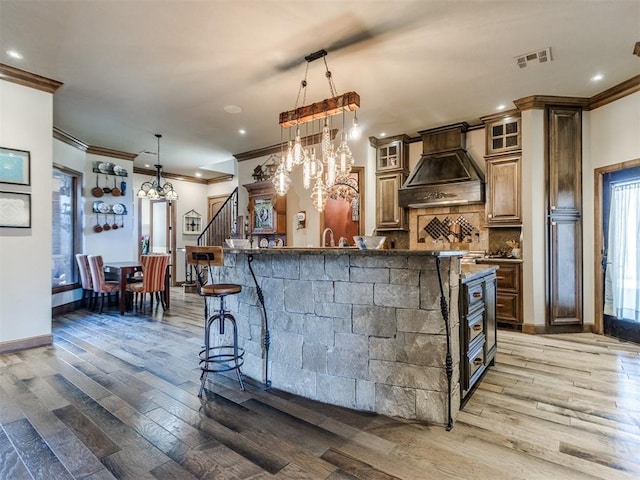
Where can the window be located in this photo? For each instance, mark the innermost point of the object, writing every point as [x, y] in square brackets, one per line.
[67, 226]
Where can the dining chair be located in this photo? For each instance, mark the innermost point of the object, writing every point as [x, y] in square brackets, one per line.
[154, 271]
[100, 285]
[85, 280]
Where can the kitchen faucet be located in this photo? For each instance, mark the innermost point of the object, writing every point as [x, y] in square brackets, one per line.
[332, 241]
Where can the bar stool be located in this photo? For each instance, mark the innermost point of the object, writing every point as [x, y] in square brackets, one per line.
[222, 358]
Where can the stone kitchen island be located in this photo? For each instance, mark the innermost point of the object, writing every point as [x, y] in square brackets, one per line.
[363, 329]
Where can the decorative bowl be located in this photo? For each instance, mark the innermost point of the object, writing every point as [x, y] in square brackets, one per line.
[239, 243]
[369, 242]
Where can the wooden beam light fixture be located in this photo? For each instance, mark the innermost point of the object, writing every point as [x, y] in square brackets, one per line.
[332, 165]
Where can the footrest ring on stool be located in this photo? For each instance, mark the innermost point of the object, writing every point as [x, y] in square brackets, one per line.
[221, 358]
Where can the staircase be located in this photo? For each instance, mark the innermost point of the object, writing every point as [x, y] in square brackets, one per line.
[224, 224]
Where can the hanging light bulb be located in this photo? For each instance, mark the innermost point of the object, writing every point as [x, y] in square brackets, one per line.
[319, 195]
[344, 159]
[298, 151]
[355, 132]
[281, 180]
[330, 172]
[326, 138]
[289, 157]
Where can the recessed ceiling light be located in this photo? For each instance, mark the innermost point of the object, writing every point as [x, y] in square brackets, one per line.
[383, 134]
[242, 131]
[232, 109]
[198, 174]
[147, 165]
[597, 77]
[15, 54]
[501, 107]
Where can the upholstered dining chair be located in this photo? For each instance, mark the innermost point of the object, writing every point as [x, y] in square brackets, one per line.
[154, 271]
[85, 280]
[100, 285]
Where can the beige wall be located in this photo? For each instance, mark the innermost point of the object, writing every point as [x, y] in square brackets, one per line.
[26, 123]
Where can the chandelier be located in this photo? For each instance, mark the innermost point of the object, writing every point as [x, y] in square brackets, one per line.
[155, 190]
[328, 165]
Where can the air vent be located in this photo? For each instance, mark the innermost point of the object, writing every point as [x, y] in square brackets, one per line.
[539, 56]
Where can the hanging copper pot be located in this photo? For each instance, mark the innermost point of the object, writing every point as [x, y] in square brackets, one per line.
[115, 191]
[97, 227]
[97, 191]
[106, 226]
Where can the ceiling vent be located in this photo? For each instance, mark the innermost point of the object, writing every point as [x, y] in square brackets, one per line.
[539, 56]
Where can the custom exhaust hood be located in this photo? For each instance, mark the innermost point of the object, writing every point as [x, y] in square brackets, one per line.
[445, 175]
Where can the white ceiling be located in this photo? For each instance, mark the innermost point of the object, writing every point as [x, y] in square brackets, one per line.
[135, 68]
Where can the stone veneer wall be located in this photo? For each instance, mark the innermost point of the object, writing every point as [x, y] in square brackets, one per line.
[358, 330]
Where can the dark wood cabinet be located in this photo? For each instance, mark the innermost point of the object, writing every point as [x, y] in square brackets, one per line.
[267, 213]
[503, 132]
[478, 341]
[564, 217]
[508, 291]
[389, 214]
[503, 191]
[392, 168]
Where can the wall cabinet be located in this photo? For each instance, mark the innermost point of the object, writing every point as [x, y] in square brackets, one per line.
[267, 214]
[503, 133]
[392, 168]
[477, 328]
[389, 214]
[503, 206]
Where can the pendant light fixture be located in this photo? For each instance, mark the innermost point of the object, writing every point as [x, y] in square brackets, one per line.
[155, 189]
[328, 165]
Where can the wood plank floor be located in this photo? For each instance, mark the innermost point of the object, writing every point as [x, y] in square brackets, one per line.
[116, 397]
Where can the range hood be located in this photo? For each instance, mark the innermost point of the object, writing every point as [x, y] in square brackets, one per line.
[445, 175]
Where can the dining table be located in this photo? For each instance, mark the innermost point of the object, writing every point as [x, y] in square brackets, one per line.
[123, 271]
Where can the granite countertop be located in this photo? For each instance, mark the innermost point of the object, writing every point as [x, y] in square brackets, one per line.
[345, 251]
[471, 271]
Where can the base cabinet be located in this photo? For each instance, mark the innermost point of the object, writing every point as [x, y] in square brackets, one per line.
[477, 329]
[508, 292]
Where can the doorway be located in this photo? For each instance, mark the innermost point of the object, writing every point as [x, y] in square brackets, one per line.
[157, 230]
[618, 242]
[343, 212]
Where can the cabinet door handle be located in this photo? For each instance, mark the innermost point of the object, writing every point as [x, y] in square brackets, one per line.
[477, 294]
[500, 278]
[499, 305]
[478, 362]
[477, 328]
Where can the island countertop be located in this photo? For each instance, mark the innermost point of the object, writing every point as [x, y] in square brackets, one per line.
[347, 250]
[363, 329]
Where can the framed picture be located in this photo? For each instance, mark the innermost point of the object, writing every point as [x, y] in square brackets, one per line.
[15, 166]
[15, 210]
[263, 215]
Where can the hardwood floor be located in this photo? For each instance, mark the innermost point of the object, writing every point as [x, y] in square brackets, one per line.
[116, 397]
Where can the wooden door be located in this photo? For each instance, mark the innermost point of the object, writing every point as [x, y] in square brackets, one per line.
[564, 212]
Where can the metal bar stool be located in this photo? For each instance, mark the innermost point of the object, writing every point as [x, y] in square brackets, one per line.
[222, 358]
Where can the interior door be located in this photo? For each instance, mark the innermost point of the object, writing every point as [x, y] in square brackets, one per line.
[619, 325]
[344, 216]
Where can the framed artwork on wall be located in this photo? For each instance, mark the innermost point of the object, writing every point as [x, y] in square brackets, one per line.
[15, 166]
[15, 210]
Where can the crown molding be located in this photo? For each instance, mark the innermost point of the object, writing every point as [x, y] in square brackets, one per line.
[499, 116]
[615, 93]
[539, 102]
[174, 176]
[28, 79]
[69, 139]
[107, 152]
[221, 179]
[279, 147]
[376, 142]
